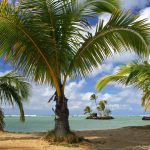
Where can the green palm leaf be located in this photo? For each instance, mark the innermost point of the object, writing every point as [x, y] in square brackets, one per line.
[13, 90]
[136, 74]
[122, 32]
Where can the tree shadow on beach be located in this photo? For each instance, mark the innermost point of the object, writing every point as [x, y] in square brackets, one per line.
[117, 139]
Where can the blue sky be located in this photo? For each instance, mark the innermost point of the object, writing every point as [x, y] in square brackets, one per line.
[122, 100]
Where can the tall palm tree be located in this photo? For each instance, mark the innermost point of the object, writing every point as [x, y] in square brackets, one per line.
[49, 40]
[137, 74]
[13, 90]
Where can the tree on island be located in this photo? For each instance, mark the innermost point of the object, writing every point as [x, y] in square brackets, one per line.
[50, 41]
[102, 107]
[13, 91]
[87, 110]
[136, 74]
[94, 98]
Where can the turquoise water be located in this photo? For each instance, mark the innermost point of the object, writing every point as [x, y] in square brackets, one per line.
[45, 123]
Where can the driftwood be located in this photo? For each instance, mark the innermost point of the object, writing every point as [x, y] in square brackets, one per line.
[146, 118]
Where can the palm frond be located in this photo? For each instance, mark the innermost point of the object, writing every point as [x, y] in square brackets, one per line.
[147, 105]
[101, 83]
[14, 90]
[122, 32]
[136, 74]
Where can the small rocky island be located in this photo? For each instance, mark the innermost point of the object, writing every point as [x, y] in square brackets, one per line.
[146, 118]
[103, 113]
[99, 117]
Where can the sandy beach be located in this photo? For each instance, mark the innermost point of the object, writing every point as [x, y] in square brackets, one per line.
[129, 138]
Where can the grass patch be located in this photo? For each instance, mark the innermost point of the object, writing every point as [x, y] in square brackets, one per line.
[69, 140]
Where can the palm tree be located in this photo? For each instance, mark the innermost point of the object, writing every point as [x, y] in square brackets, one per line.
[87, 110]
[49, 40]
[101, 106]
[93, 97]
[13, 90]
[137, 74]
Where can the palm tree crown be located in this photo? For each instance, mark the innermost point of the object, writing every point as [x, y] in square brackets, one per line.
[42, 37]
[87, 110]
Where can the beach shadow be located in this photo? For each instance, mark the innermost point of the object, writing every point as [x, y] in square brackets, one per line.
[119, 139]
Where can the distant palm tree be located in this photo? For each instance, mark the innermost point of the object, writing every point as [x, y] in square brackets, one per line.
[87, 110]
[101, 106]
[93, 97]
[49, 40]
[137, 74]
[13, 90]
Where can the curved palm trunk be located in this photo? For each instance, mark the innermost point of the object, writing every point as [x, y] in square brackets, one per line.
[61, 116]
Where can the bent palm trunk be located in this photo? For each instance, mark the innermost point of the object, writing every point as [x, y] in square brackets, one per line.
[61, 116]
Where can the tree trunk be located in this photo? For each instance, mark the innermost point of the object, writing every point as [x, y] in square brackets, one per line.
[2, 124]
[61, 116]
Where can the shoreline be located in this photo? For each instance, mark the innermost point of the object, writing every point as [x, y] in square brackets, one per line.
[126, 138]
[103, 129]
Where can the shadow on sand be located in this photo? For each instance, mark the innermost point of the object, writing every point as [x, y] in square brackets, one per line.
[128, 138]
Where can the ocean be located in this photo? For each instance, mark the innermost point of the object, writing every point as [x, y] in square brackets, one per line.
[78, 123]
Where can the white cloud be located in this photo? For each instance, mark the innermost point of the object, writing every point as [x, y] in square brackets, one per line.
[118, 107]
[145, 14]
[104, 68]
[132, 4]
[86, 96]
[40, 94]
[122, 99]
[124, 57]
[105, 17]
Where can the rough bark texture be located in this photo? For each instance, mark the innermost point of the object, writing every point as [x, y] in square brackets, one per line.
[61, 118]
[2, 124]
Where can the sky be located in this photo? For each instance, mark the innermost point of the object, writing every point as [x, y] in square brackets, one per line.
[121, 100]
